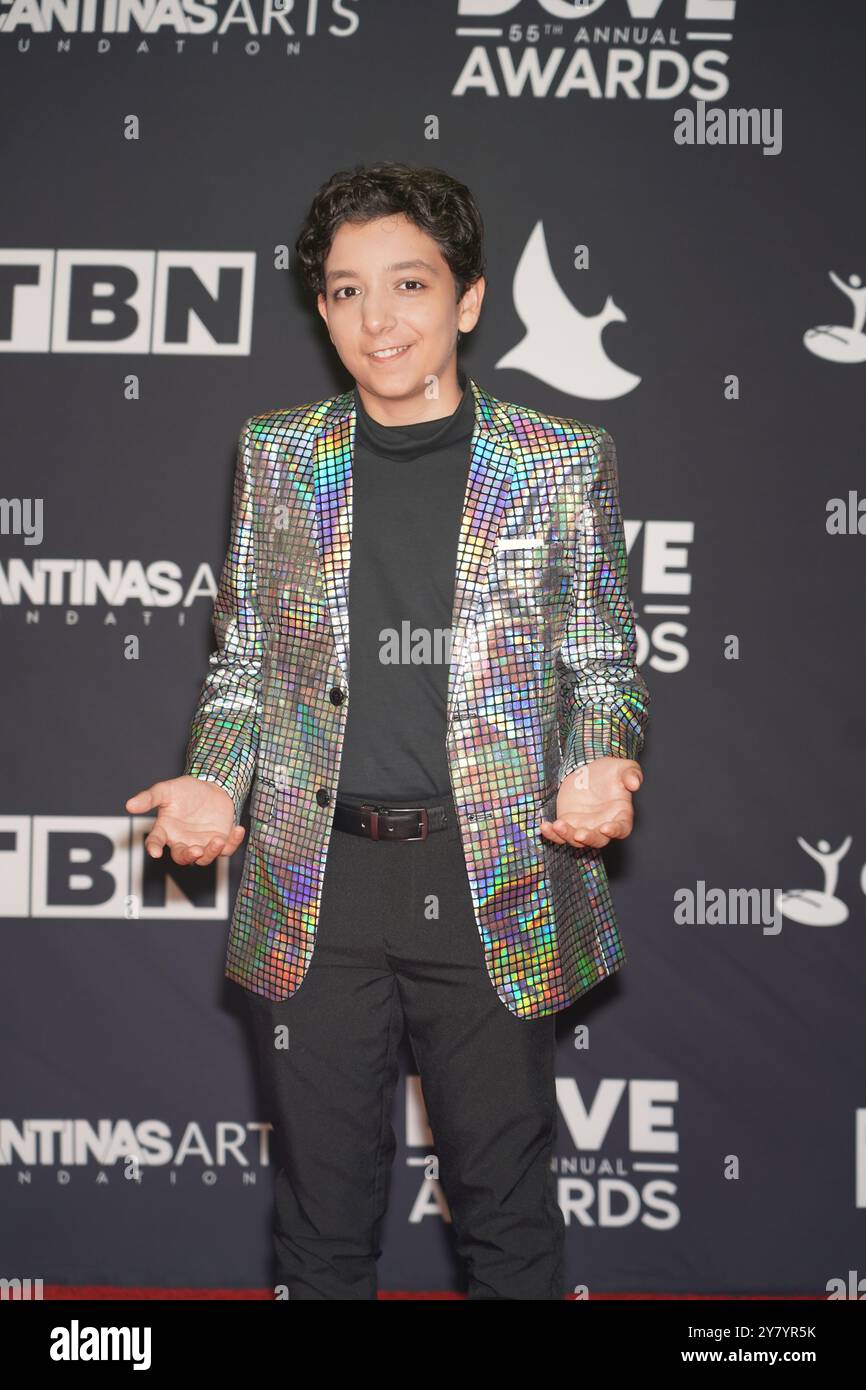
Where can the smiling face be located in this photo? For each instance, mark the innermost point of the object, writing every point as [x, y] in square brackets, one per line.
[387, 285]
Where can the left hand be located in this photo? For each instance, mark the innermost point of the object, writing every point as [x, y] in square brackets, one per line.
[594, 803]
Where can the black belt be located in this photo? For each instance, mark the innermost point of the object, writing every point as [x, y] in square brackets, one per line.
[382, 822]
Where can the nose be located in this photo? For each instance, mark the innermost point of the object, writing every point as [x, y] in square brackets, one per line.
[376, 316]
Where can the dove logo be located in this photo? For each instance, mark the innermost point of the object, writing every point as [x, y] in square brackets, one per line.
[562, 346]
[703, 10]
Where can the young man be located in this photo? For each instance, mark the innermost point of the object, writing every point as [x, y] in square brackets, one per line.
[424, 635]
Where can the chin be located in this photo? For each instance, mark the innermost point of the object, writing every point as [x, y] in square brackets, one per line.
[409, 383]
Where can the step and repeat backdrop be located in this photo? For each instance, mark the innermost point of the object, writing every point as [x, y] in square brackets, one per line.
[676, 241]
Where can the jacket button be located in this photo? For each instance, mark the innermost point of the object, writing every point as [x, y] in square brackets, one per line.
[336, 694]
[323, 796]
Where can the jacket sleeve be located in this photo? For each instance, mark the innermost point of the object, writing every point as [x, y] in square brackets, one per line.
[224, 735]
[603, 700]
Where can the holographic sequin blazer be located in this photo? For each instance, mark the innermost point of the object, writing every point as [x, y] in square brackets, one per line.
[543, 678]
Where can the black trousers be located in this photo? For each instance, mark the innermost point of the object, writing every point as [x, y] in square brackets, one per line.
[398, 948]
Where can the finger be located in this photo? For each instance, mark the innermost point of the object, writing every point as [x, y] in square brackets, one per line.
[617, 827]
[210, 851]
[564, 830]
[155, 841]
[590, 839]
[154, 797]
[185, 854]
[584, 836]
[549, 833]
[234, 839]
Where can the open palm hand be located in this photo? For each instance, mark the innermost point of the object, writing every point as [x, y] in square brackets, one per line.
[594, 804]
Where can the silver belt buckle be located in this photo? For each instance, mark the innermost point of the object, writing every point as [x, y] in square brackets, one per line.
[422, 817]
[374, 820]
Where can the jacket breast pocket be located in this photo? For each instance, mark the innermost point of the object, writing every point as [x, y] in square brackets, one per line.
[530, 572]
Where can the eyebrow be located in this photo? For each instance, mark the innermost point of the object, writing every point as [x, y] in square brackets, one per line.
[395, 265]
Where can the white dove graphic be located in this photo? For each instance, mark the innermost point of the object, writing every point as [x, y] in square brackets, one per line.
[562, 346]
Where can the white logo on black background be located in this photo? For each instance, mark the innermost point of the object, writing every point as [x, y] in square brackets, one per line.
[562, 346]
[819, 907]
[833, 341]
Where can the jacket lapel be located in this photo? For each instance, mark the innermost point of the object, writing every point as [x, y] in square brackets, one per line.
[487, 487]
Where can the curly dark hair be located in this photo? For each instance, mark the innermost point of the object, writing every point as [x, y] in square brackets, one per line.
[437, 203]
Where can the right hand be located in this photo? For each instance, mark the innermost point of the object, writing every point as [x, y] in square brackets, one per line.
[195, 819]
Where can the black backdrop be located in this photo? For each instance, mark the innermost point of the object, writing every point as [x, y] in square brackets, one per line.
[713, 1130]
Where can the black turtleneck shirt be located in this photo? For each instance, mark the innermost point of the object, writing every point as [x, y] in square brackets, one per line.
[408, 486]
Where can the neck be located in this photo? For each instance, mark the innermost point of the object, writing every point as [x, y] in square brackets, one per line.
[415, 407]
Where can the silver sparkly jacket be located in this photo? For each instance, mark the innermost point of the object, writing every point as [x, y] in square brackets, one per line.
[542, 679]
